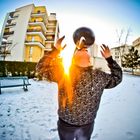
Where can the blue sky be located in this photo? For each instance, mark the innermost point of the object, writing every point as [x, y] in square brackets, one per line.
[104, 17]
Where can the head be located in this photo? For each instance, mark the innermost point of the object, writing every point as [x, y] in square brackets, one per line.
[81, 58]
[83, 38]
[86, 33]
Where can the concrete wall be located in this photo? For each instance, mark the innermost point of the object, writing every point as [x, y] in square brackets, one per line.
[17, 52]
[100, 63]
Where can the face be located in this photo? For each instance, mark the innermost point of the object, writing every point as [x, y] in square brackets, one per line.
[82, 58]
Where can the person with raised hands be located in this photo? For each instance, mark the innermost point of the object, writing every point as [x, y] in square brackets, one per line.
[78, 96]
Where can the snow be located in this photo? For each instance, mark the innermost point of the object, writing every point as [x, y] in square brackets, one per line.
[32, 115]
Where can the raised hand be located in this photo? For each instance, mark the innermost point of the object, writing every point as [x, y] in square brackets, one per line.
[58, 44]
[80, 43]
[106, 53]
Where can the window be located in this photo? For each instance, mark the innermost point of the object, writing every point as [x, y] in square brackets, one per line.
[31, 51]
[116, 57]
[30, 59]
[33, 39]
[38, 11]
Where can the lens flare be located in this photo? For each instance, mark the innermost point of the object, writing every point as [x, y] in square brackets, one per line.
[67, 55]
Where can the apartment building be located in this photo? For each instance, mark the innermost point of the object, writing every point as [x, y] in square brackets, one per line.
[96, 60]
[136, 44]
[118, 52]
[27, 33]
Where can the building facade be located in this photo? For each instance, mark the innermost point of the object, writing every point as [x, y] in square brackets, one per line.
[27, 33]
[97, 61]
[118, 52]
[136, 44]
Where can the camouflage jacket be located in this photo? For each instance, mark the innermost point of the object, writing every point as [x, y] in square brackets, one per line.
[87, 85]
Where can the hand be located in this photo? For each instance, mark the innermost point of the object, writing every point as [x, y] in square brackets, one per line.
[80, 43]
[105, 51]
[58, 45]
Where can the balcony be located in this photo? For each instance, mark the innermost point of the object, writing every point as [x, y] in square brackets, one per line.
[48, 49]
[51, 30]
[4, 52]
[33, 43]
[8, 33]
[50, 37]
[51, 26]
[36, 31]
[12, 18]
[52, 22]
[11, 14]
[50, 33]
[10, 25]
[40, 14]
[49, 40]
[40, 24]
[6, 43]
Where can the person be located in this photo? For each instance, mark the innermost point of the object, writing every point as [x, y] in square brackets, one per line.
[79, 95]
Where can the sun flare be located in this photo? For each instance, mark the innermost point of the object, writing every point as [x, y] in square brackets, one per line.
[67, 54]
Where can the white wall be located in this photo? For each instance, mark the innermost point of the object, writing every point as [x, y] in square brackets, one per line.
[17, 53]
[100, 63]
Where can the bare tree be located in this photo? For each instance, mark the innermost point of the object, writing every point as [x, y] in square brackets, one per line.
[122, 45]
[119, 35]
[5, 49]
[127, 35]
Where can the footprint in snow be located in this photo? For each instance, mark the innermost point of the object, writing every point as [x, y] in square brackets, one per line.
[130, 135]
[1, 115]
[28, 134]
[11, 129]
[3, 134]
[9, 109]
[18, 110]
[8, 114]
[53, 129]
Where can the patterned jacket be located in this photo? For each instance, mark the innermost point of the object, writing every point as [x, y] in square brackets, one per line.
[85, 86]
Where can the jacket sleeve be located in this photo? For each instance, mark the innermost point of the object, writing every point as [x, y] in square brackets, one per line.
[50, 66]
[115, 77]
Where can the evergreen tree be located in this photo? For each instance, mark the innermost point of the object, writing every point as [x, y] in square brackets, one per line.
[131, 59]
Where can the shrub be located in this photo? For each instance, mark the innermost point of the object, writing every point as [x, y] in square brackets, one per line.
[16, 68]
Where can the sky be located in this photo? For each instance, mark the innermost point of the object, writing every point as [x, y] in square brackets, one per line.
[104, 17]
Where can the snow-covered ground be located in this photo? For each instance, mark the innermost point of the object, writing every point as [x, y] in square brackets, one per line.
[32, 115]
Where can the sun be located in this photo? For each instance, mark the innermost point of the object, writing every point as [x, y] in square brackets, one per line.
[67, 55]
